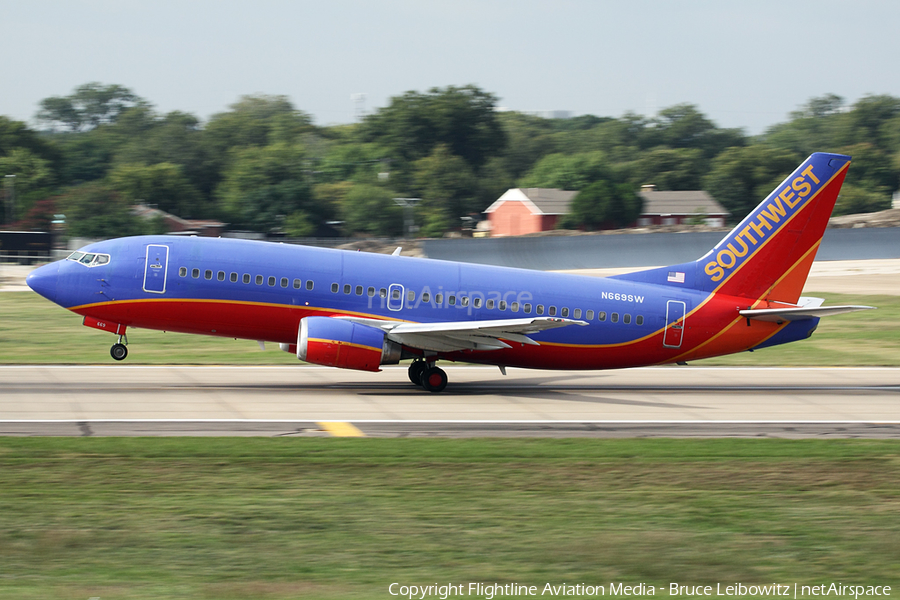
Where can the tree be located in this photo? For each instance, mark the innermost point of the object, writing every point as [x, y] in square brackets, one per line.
[855, 199]
[568, 171]
[91, 105]
[739, 178]
[447, 186]
[33, 177]
[461, 118]
[96, 211]
[669, 168]
[162, 184]
[603, 204]
[371, 209]
[263, 185]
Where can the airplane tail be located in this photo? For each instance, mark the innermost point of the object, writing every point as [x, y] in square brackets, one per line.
[769, 254]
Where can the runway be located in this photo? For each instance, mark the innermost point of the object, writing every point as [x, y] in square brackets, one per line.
[314, 401]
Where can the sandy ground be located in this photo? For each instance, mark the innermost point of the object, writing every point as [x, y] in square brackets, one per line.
[859, 277]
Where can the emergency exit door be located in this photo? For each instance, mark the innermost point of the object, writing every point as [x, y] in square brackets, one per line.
[674, 333]
[155, 269]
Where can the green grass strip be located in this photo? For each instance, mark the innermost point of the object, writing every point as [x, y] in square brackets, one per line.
[344, 518]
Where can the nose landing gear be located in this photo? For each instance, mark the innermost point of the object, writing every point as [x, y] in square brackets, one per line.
[119, 350]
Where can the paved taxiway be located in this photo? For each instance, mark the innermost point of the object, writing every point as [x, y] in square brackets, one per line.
[662, 401]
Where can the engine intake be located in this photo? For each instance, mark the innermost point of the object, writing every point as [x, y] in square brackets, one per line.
[338, 343]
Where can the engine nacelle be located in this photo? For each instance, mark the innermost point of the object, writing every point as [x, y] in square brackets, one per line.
[338, 343]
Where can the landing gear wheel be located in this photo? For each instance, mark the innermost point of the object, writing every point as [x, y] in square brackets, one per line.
[415, 371]
[118, 351]
[434, 379]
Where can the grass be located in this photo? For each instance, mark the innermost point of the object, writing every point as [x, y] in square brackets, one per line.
[289, 518]
[34, 330]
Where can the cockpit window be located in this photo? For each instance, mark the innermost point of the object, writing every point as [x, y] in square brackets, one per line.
[89, 259]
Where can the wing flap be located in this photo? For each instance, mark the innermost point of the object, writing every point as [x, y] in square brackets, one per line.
[450, 336]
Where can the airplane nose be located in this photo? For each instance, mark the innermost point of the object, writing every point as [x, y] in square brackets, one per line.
[43, 280]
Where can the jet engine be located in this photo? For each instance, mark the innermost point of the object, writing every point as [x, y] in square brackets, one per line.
[339, 343]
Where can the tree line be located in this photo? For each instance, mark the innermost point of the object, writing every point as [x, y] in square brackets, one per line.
[265, 166]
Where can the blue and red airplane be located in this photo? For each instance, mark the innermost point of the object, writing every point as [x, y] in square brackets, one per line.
[358, 310]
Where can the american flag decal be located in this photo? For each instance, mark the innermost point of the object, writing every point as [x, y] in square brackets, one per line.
[676, 277]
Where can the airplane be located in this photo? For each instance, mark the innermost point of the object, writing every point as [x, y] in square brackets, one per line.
[358, 310]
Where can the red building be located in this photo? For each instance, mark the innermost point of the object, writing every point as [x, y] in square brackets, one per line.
[527, 210]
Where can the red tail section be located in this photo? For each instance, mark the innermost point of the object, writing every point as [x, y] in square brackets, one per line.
[769, 254]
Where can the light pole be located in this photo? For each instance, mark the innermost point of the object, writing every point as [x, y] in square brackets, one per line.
[408, 205]
[10, 198]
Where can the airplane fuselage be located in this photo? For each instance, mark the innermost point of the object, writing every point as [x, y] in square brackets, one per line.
[261, 291]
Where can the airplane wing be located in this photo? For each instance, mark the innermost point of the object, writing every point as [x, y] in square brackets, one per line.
[807, 308]
[466, 335]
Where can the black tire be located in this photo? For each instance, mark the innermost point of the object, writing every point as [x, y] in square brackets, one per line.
[415, 371]
[434, 379]
[118, 351]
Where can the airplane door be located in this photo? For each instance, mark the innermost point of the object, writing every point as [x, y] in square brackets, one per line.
[155, 269]
[674, 324]
[395, 297]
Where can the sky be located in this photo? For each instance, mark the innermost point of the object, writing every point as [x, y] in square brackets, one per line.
[744, 64]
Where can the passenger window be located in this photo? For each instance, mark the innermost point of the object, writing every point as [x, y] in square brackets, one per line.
[451, 300]
[246, 278]
[589, 316]
[284, 282]
[259, 280]
[514, 307]
[359, 290]
[207, 274]
[309, 284]
[639, 320]
[395, 294]
[502, 305]
[234, 277]
[614, 317]
[182, 272]
[298, 283]
[564, 311]
[334, 288]
[382, 293]
[601, 315]
[526, 308]
[551, 311]
[220, 275]
[370, 292]
[577, 313]
[195, 273]
[347, 288]
[410, 296]
[426, 297]
[540, 309]
[439, 299]
[489, 304]
[626, 318]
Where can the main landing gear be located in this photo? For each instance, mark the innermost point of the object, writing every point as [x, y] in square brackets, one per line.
[427, 375]
[119, 350]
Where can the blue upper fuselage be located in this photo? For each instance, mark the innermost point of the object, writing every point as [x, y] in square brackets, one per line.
[359, 284]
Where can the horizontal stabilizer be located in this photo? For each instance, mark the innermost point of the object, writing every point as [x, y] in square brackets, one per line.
[780, 315]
